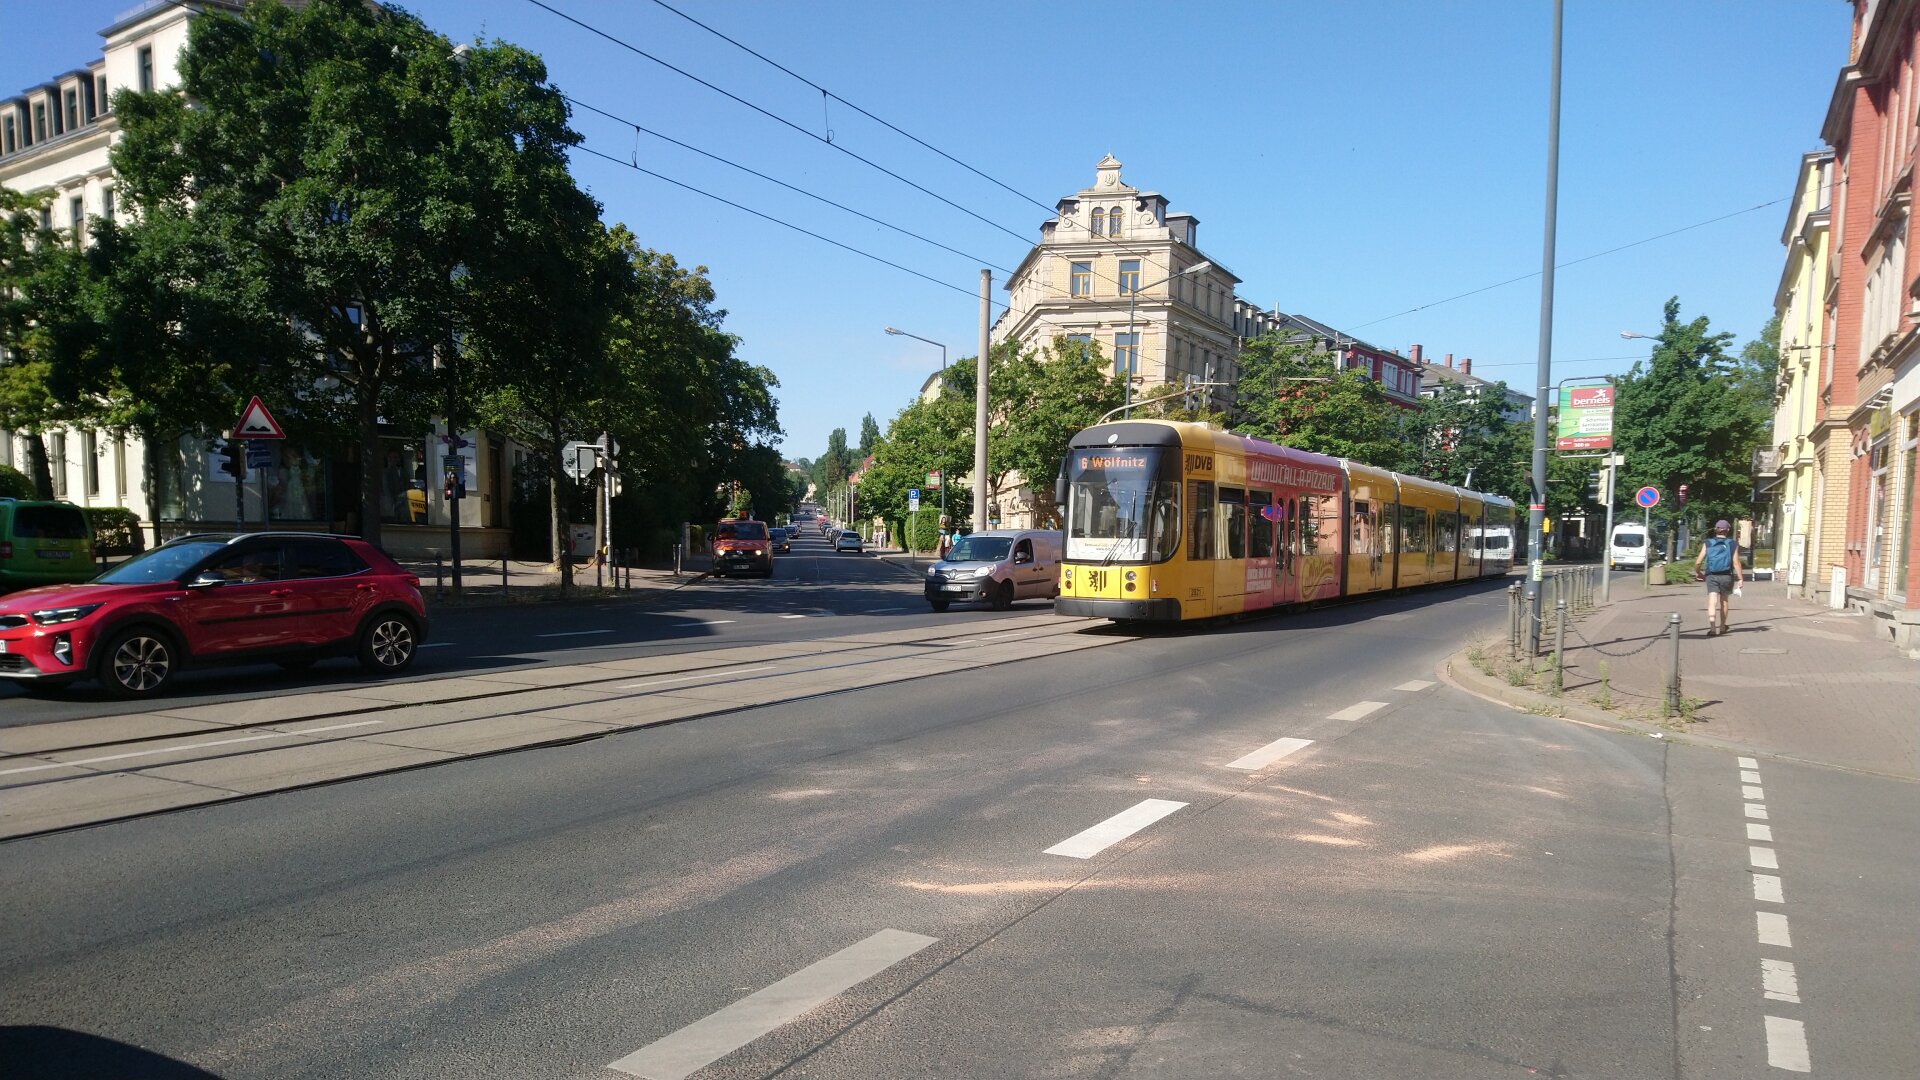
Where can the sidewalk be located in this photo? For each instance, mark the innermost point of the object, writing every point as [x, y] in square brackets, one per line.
[1792, 678]
[530, 582]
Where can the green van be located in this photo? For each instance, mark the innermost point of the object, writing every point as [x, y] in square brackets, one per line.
[44, 543]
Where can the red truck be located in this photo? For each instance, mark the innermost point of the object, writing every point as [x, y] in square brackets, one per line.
[742, 546]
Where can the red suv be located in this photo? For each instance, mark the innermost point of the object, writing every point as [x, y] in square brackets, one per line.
[215, 598]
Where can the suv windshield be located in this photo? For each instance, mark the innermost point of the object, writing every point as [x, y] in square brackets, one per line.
[980, 549]
[164, 563]
[741, 530]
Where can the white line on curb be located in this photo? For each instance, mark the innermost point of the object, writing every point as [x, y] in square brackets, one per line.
[711, 1038]
[1091, 842]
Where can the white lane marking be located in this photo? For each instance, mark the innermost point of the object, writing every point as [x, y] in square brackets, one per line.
[708, 622]
[1757, 831]
[686, 678]
[1763, 857]
[1766, 889]
[1413, 685]
[1749, 776]
[1358, 711]
[1752, 793]
[1771, 928]
[1778, 980]
[1787, 1045]
[711, 1038]
[793, 616]
[574, 633]
[878, 610]
[1747, 763]
[1091, 842]
[1756, 810]
[1268, 754]
[182, 747]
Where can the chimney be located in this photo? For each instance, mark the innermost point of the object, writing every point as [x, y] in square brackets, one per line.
[1466, 365]
[1417, 357]
[1449, 359]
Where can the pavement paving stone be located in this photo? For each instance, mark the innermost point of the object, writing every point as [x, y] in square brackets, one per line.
[294, 766]
[267, 710]
[93, 731]
[488, 734]
[636, 711]
[422, 690]
[87, 799]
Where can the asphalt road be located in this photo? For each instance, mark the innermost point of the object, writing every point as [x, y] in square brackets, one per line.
[814, 592]
[1104, 865]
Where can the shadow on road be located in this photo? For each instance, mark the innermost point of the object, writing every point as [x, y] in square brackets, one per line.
[33, 1052]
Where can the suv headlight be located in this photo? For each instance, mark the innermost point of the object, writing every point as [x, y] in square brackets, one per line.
[51, 616]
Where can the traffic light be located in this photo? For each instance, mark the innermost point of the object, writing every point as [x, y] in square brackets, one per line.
[1595, 484]
[236, 463]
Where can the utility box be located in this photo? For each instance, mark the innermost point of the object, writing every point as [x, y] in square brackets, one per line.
[1837, 591]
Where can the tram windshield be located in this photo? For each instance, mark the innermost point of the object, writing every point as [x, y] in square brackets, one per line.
[1123, 504]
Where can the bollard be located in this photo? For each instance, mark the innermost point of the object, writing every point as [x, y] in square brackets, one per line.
[1560, 647]
[1673, 669]
[1513, 621]
[439, 579]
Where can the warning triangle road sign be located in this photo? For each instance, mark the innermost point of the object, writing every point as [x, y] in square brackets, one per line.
[257, 423]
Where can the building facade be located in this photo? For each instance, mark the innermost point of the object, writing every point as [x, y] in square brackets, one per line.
[1871, 391]
[1797, 486]
[55, 140]
[1398, 375]
[1518, 407]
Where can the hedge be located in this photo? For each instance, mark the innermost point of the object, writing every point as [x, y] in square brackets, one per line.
[15, 484]
[116, 530]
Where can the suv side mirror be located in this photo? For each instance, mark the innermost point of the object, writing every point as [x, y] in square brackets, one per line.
[206, 579]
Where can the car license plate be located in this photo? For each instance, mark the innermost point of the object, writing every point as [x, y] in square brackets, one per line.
[3, 646]
[49, 554]
[959, 588]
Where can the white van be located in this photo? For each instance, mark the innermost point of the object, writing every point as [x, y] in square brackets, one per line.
[998, 568]
[1627, 546]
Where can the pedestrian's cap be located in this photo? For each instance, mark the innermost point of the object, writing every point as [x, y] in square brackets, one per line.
[1722, 525]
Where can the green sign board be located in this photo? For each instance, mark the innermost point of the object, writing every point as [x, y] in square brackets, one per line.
[1584, 420]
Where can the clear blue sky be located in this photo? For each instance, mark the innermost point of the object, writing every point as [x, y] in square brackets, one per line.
[1348, 160]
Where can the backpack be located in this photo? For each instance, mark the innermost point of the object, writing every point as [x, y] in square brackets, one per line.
[1719, 554]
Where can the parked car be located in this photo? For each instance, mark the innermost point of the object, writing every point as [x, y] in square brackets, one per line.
[216, 598]
[742, 545]
[1627, 546]
[998, 568]
[44, 543]
[847, 540]
[781, 541]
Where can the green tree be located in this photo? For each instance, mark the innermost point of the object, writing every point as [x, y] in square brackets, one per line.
[342, 164]
[1457, 435]
[837, 463]
[34, 266]
[1692, 415]
[1291, 394]
[869, 434]
[928, 435]
[1038, 400]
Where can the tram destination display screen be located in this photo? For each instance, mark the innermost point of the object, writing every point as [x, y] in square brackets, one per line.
[1123, 504]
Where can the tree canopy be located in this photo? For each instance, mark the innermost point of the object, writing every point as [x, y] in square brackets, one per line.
[1291, 394]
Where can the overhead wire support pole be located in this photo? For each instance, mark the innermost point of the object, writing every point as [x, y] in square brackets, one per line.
[1537, 506]
[980, 404]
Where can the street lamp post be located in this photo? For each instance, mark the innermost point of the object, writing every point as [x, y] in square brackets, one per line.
[1537, 507]
[943, 380]
[1133, 356]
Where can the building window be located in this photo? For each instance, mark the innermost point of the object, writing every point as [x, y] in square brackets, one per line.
[1113, 222]
[1126, 354]
[146, 68]
[39, 121]
[73, 107]
[1130, 275]
[106, 203]
[46, 219]
[77, 219]
[57, 451]
[1099, 222]
[120, 466]
[90, 466]
[1081, 281]
[6, 135]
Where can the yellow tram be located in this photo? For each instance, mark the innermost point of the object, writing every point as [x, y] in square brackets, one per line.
[1172, 521]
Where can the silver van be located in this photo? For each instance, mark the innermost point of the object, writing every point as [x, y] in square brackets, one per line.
[1627, 546]
[998, 568]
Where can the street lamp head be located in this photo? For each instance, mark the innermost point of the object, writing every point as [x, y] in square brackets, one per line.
[894, 332]
[1205, 264]
[1631, 334]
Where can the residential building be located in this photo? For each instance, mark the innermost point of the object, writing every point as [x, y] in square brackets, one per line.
[1795, 483]
[54, 141]
[1871, 391]
[1434, 374]
[1398, 375]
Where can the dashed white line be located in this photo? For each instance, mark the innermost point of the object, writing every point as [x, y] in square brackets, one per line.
[1749, 776]
[878, 610]
[1752, 793]
[1763, 857]
[1771, 928]
[1766, 889]
[1779, 982]
[707, 1040]
[1358, 711]
[688, 678]
[1787, 1045]
[1268, 754]
[793, 616]
[1756, 810]
[1747, 763]
[574, 633]
[1757, 831]
[1414, 685]
[183, 747]
[1090, 842]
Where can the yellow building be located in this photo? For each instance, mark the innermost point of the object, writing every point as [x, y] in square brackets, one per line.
[1808, 497]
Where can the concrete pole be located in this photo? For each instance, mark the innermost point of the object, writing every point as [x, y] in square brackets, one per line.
[980, 406]
[1614, 461]
[1537, 506]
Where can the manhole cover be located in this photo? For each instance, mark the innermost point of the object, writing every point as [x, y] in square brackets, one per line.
[1763, 652]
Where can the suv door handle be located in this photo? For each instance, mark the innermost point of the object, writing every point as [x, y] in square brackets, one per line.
[279, 592]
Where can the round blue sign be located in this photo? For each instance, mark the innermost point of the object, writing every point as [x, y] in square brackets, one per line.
[1648, 497]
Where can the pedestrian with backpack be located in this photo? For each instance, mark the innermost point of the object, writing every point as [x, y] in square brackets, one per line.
[1719, 558]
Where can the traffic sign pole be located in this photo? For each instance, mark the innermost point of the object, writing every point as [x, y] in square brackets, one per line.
[1614, 462]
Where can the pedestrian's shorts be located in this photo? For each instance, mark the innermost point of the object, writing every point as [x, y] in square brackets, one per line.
[1720, 583]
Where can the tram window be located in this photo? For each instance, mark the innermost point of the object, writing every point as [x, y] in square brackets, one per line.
[1260, 527]
[1200, 519]
[1449, 533]
[1413, 529]
[1322, 523]
[1233, 523]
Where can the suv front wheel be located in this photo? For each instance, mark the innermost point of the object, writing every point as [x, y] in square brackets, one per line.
[388, 643]
[136, 662]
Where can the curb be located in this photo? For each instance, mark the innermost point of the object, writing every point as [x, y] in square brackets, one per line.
[1458, 672]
